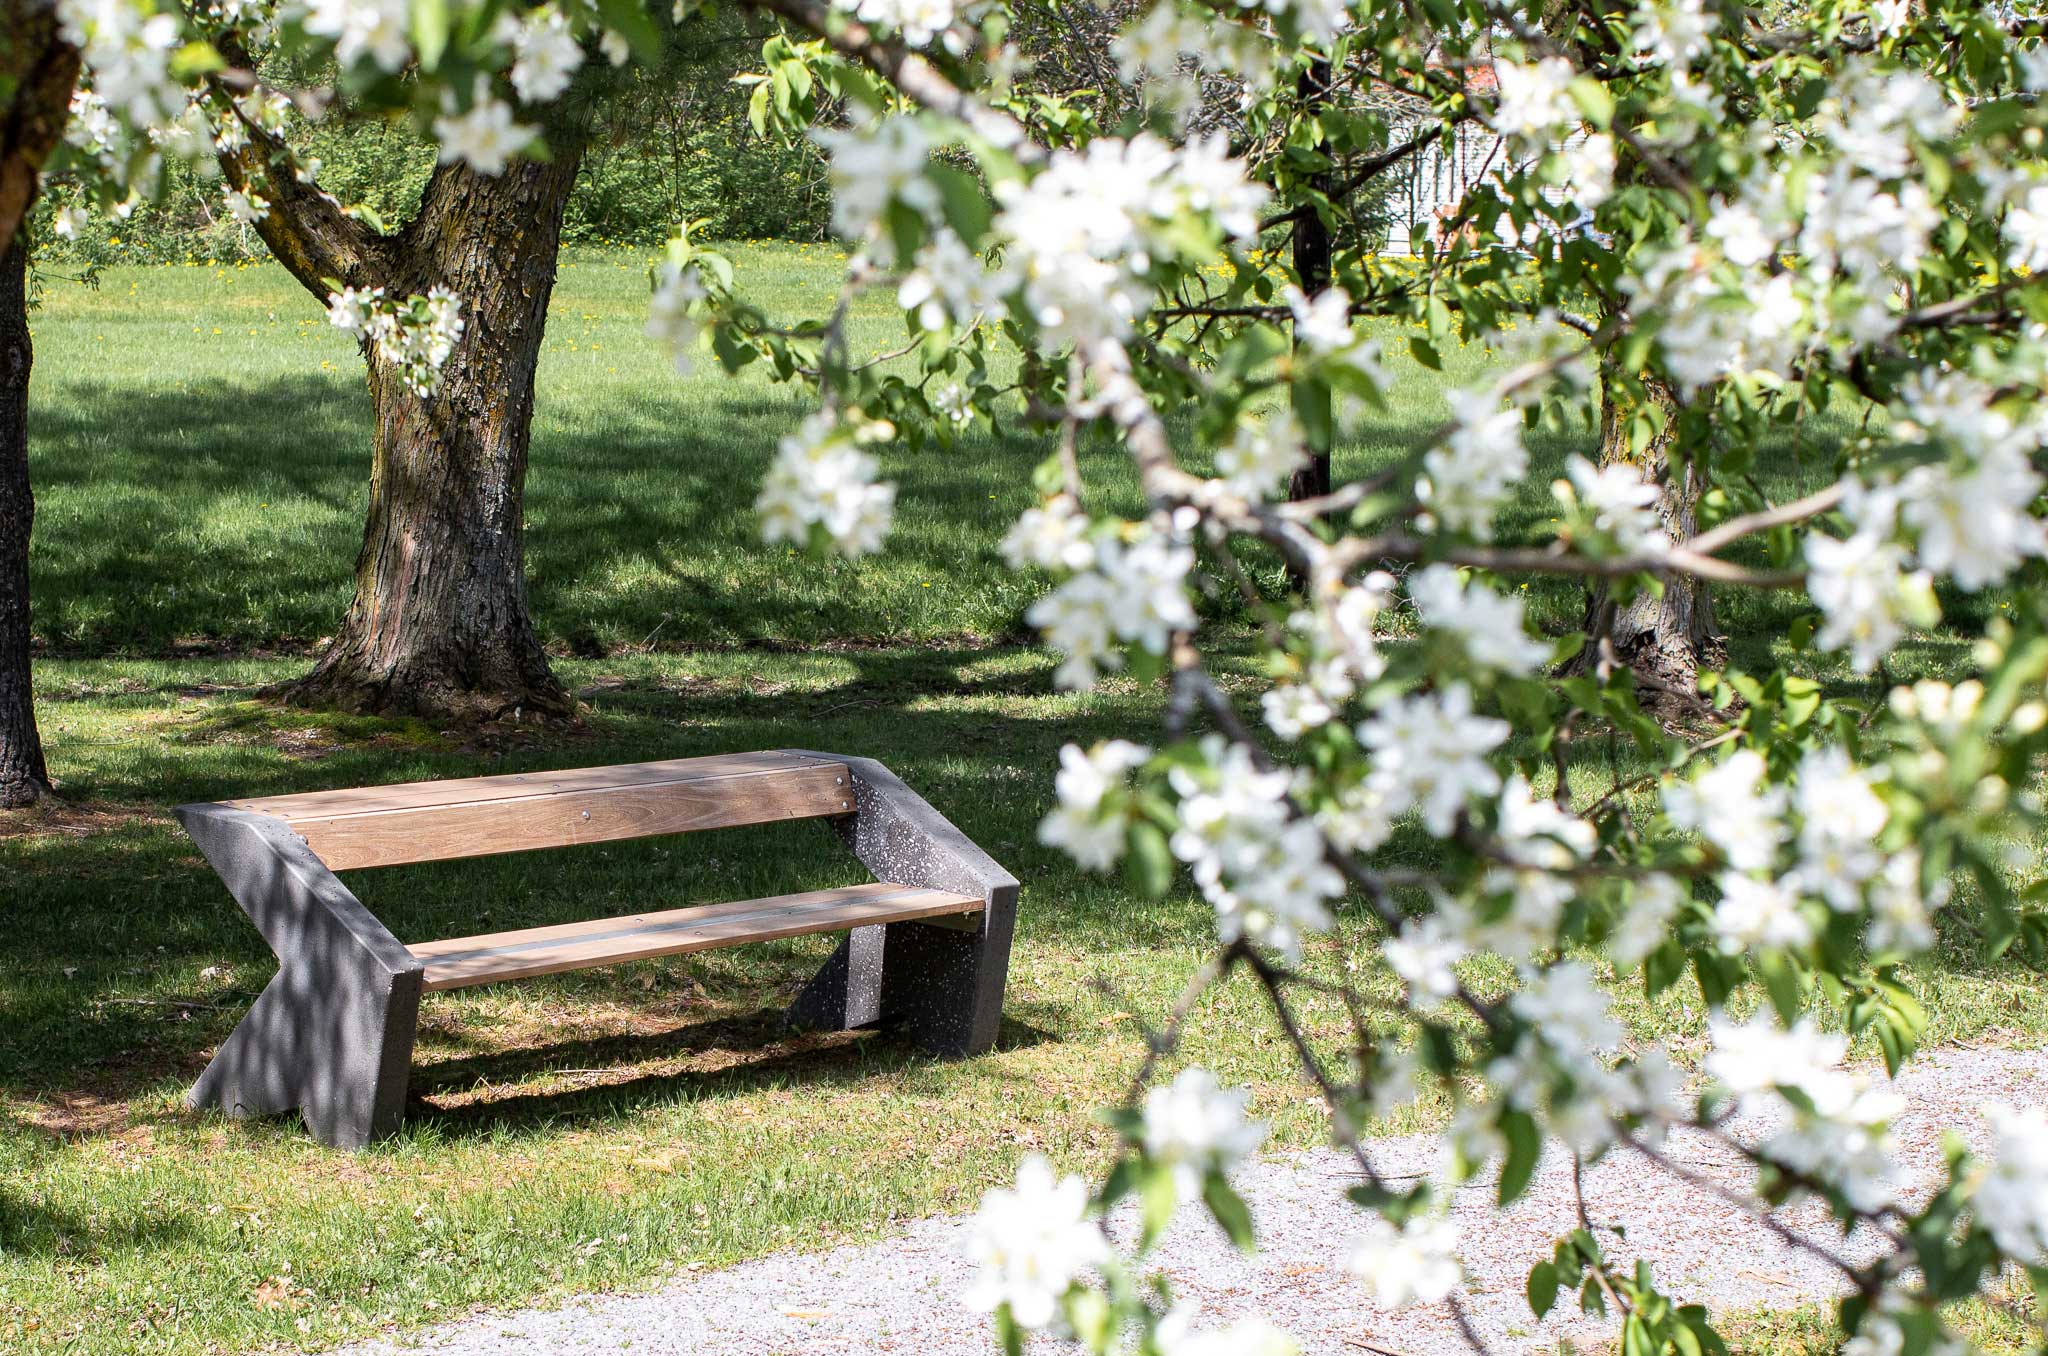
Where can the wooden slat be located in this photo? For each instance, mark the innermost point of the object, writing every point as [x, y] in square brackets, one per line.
[478, 816]
[462, 961]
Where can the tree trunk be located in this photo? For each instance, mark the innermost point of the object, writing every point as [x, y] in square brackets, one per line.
[1312, 264]
[439, 626]
[1664, 639]
[37, 70]
[23, 777]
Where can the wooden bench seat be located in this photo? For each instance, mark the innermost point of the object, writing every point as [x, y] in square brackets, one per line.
[927, 944]
[458, 962]
[481, 816]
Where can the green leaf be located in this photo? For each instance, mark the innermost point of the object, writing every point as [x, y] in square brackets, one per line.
[1425, 353]
[966, 206]
[195, 59]
[1594, 101]
[1525, 1146]
[1158, 1198]
[430, 25]
[1781, 981]
[630, 20]
[1232, 1215]
[1312, 406]
[1149, 867]
[1542, 1288]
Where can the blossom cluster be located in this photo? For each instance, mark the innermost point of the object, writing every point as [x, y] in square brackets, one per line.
[415, 336]
[821, 487]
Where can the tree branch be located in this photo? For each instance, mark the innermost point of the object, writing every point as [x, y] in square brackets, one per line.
[306, 228]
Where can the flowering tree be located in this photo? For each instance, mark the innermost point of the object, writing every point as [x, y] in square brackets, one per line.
[1765, 211]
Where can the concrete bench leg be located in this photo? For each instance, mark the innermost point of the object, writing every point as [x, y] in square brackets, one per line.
[332, 1034]
[944, 984]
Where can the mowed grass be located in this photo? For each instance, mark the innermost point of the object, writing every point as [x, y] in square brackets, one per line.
[200, 450]
[201, 454]
[601, 1129]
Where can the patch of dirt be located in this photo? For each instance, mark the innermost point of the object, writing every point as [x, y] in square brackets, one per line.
[74, 1115]
[302, 736]
[59, 817]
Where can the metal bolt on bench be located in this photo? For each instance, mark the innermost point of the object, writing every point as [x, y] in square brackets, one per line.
[927, 945]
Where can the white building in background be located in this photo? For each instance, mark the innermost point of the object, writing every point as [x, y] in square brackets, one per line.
[1431, 186]
[1434, 181]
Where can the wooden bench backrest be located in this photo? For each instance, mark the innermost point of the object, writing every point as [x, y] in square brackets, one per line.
[479, 816]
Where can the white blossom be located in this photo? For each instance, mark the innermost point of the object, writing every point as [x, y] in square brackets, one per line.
[1840, 819]
[2011, 1198]
[823, 479]
[1674, 33]
[1423, 953]
[1197, 1128]
[248, 208]
[1468, 477]
[1430, 752]
[673, 318]
[1864, 593]
[546, 56]
[359, 28]
[485, 138]
[1757, 912]
[1533, 101]
[1566, 1007]
[949, 284]
[1031, 1243]
[1621, 504]
[1260, 455]
[1261, 869]
[1731, 807]
[1489, 625]
[1051, 537]
[1645, 923]
[1077, 824]
[874, 164]
[1899, 910]
[1414, 1263]
[918, 21]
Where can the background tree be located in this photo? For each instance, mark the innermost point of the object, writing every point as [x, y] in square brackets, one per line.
[439, 625]
[38, 67]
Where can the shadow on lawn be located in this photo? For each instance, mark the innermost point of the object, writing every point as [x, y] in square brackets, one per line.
[201, 522]
[31, 1228]
[721, 1057]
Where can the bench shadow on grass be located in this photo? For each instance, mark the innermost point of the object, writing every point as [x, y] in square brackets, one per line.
[723, 1057]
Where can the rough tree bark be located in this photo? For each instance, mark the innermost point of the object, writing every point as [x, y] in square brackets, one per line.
[439, 625]
[23, 777]
[37, 71]
[1664, 639]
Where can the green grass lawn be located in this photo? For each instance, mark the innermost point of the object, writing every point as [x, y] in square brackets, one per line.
[200, 451]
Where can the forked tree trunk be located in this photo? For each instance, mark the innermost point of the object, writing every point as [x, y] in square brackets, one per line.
[23, 777]
[1664, 639]
[439, 626]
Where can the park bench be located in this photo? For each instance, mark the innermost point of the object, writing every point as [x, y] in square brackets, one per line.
[331, 1037]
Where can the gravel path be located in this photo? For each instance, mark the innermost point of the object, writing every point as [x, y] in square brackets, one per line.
[901, 1294]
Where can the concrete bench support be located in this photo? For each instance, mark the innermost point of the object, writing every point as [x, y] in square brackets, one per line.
[331, 1037]
[943, 983]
